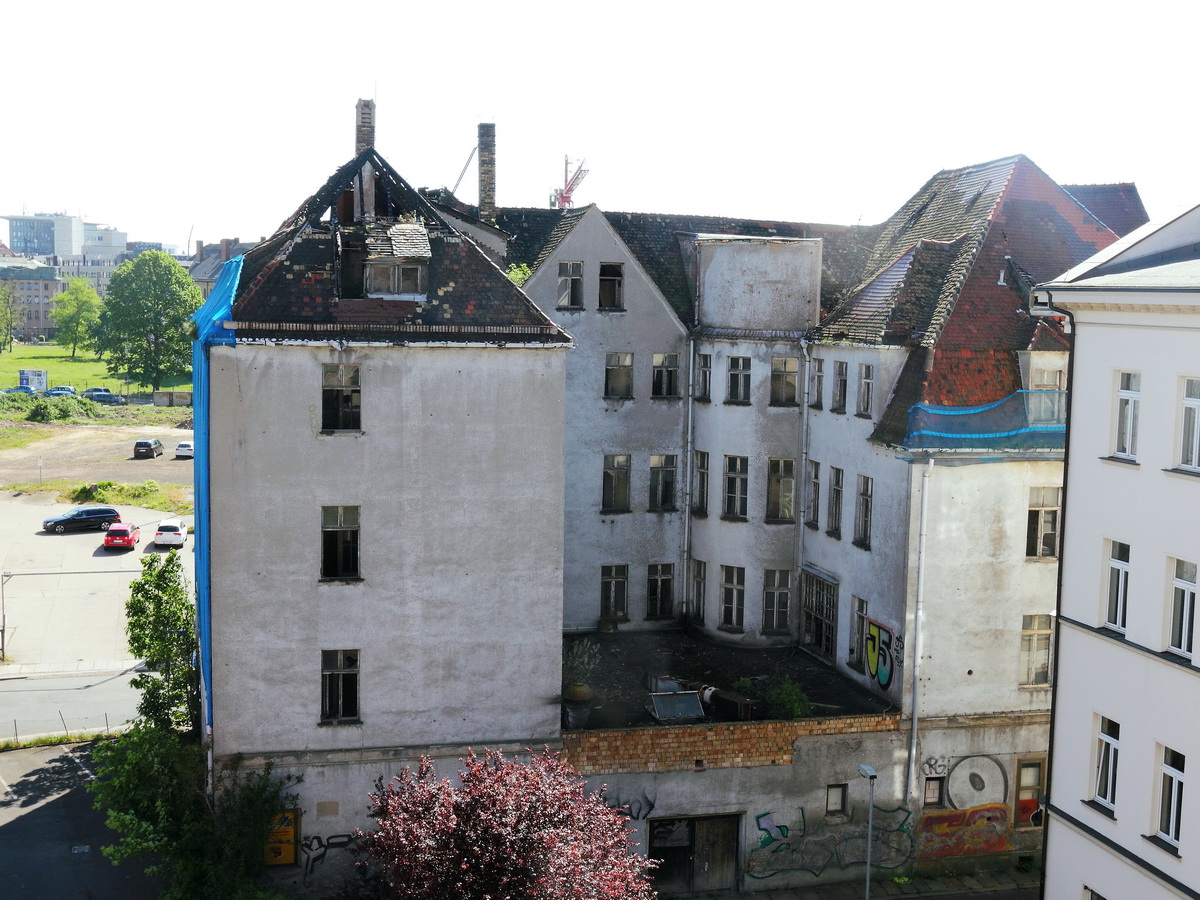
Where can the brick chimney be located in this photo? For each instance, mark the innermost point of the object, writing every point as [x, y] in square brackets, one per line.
[199, 249]
[364, 126]
[487, 171]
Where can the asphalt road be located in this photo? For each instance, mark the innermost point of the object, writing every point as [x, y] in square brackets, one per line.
[65, 705]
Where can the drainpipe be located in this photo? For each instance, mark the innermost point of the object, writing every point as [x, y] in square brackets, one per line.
[802, 475]
[911, 777]
[688, 438]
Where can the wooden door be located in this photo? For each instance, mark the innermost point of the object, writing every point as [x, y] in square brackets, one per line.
[715, 853]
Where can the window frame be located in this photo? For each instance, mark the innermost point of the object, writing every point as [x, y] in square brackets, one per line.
[1037, 632]
[570, 284]
[737, 476]
[341, 548]
[863, 512]
[700, 494]
[858, 640]
[618, 366]
[662, 482]
[1108, 757]
[785, 373]
[1116, 606]
[1182, 621]
[818, 613]
[777, 594]
[664, 384]
[699, 588]
[611, 293]
[397, 280]
[1170, 797]
[340, 680]
[781, 490]
[660, 591]
[1044, 520]
[833, 516]
[615, 494]
[614, 592]
[837, 801]
[1129, 394]
[841, 377]
[817, 388]
[737, 388]
[703, 390]
[341, 397]
[813, 513]
[938, 783]
[1189, 426]
[1038, 788]
[866, 390]
[733, 597]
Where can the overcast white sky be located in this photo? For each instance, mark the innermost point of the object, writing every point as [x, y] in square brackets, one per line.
[216, 119]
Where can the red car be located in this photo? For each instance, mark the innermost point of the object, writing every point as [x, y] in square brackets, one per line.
[122, 534]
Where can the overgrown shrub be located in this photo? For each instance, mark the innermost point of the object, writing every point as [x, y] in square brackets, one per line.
[787, 701]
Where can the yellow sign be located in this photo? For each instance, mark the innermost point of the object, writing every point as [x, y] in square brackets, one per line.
[283, 839]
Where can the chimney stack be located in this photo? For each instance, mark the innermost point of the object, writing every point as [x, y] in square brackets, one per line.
[199, 249]
[364, 126]
[487, 171]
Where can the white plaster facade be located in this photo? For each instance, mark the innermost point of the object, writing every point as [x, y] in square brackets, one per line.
[1123, 820]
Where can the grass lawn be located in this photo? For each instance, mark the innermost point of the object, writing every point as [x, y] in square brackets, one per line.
[84, 371]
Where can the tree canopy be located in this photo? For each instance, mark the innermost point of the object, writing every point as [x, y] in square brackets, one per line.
[11, 316]
[76, 313]
[509, 831]
[144, 325]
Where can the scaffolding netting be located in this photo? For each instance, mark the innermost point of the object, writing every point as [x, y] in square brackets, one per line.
[1026, 420]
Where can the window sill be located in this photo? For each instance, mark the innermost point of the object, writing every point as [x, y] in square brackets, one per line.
[737, 402]
[1034, 687]
[615, 512]
[1162, 844]
[836, 534]
[731, 629]
[610, 309]
[665, 397]
[775, 521]
[618, 397]
[665, 617]
[862, 415]
[840, 410]
[815, 406]
[1123, 460]
[333, 723]
[813, 525]
[703, 399]
[1041, 559]
[776, 632]
[355, 432]
[1186, 473]
[340, 579]
[1100, 808]
[785, 404]
[662, 509]
[699, 513]
[836, 818]
[568, 309]
[861, 545]
[725, 518]
[859, 667]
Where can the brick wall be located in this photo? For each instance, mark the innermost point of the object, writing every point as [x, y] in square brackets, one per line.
[724, 746]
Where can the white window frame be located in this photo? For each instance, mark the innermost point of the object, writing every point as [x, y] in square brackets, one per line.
[777, 594]
[733, 596]
[660, 590]
[570, 285]
[736, 487]
[1189, 449]
[863, 512]
[1129, 396]
[784, 376]
[1182, 622]
[841, 376]
[1036, 632]
[1042, 532]
[703, 376]
[866, 389]
[738, 388]
[1170, 797]
[1108, 753]
[614, 592]
[818, 383]
[1116, 603]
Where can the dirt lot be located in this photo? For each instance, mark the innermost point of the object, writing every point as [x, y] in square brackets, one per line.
[91, 453]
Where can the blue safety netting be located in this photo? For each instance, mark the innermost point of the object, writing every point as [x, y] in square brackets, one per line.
[210, 330]
[1026, 420]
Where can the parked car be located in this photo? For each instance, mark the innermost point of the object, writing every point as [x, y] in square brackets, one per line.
[103, 395]
[20, 389]
[83, 517]
[185, 450]
[171, 533]
[58, 392]
[65, 388]
[148, 448]
[122, 534]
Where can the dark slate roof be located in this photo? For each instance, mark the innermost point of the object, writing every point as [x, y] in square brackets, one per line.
[1119, 206]
[951, 273]
[305, 281]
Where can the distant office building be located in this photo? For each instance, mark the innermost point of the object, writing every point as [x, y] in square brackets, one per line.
[43, 234]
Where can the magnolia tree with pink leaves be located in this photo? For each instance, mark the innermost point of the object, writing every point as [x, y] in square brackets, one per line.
[511, 830]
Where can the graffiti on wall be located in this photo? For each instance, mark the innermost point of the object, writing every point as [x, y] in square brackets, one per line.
[793, 846]
[316, 847]
[637, 806]
[978, 820]
[884, 652]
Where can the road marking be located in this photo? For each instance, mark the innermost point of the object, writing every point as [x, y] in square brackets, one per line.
[8, 792]
[91, 777]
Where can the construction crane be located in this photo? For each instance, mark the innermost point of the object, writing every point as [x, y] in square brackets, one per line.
[561, 198]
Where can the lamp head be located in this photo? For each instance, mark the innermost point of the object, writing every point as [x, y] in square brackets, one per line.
[866, 771]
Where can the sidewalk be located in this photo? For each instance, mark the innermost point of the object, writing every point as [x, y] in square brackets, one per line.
[79, 667]
[919, 886]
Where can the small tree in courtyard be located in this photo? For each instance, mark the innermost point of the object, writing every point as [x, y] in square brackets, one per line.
[76, 313]
[510, 831]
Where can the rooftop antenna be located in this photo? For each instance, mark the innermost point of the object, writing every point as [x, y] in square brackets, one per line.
[561, 198]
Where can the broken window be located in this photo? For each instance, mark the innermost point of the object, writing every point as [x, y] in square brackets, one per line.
[339, 542]
[781, 486]
[662, 482]
[777, 591]
[614, 589]
[618, 375]
[339, 687]
[733, 596]
[1041, 535]
[341, 398]
[570, 285]
[784, 371]
[703, 376]
[611, 278]
[616, 483]
[660, 590]
[818, 622]
[739, 380]
[666, 375]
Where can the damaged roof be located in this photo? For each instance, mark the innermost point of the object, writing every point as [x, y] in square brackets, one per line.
[950, 276]
[308, 279]
[1119, 206]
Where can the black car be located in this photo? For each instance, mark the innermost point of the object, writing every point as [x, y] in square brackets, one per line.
[83, 517]
[151, 447]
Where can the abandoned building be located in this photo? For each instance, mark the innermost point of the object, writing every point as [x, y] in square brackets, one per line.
[833, 452]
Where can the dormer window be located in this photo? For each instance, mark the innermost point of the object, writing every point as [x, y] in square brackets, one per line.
[404, 279]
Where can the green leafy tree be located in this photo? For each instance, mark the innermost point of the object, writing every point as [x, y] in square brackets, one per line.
[144, 324]
[518, 273]
[12, 316]
[76, 313]
[161, 626]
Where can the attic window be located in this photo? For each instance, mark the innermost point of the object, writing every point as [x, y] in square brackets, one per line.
[393, 279]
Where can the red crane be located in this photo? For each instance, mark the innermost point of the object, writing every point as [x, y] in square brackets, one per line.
[561, 198]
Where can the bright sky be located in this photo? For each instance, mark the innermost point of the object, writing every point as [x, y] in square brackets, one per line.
[171, 120]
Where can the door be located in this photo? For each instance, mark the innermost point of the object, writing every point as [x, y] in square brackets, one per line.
[697, 854]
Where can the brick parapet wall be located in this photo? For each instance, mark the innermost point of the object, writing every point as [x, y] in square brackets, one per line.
[724, 746]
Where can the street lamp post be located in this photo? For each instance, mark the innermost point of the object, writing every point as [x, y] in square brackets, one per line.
[868, 773]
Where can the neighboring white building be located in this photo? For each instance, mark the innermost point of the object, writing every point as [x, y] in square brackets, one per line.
[377, 404]
[1123, 822]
